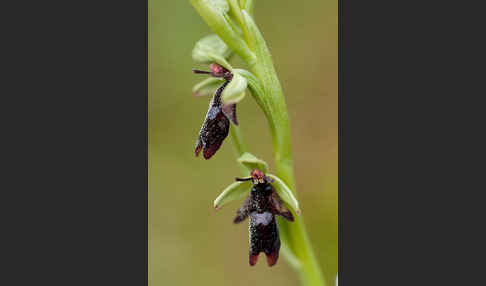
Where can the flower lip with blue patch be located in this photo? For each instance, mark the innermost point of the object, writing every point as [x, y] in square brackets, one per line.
[216, 125]
[261, 207]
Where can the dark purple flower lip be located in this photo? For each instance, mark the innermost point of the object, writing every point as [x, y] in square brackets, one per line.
[261, 206]
[217, 122]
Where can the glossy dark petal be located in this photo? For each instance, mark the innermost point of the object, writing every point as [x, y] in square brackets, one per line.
[214, 129]
[212, 134]
[264, 236]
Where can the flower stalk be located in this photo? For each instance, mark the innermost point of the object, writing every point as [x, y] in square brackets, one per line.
[248, 42]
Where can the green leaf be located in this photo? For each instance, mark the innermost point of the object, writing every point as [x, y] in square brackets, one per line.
[230, 19]
[208, 47]
[235, 191]
[235, 9]
[264, 71]
[206, 87]
[235, 90]
[213, 12]
[285, 193]
[252, 162]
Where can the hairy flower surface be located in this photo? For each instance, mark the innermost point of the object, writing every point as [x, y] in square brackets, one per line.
[217, 122]
[261, 206]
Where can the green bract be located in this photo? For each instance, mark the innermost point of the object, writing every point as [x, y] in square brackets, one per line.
[206, 87]
[214, 14]
[235, 91]
[235, 191]
[234, 98]
[209, 47]
[251, 162]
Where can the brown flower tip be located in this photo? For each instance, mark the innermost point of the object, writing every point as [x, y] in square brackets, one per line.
[271, 251]
[253, 259]
[272, 257]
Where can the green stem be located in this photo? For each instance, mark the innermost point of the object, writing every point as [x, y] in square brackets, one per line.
[254, 51]
[239, 145]
[238, 141]
[294, 234]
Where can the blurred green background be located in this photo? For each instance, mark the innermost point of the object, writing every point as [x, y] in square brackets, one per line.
[189, 242]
